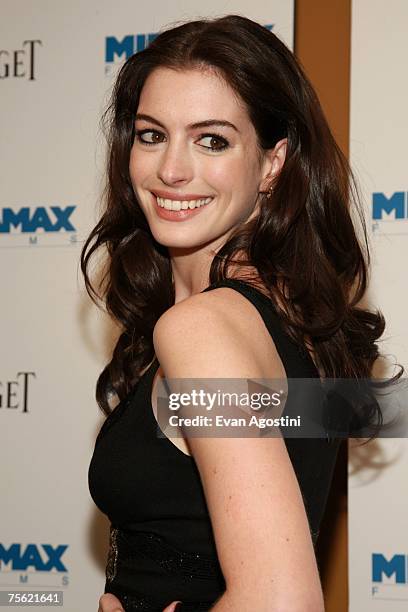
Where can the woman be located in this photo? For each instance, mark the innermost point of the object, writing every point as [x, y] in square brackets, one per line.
[231, 254]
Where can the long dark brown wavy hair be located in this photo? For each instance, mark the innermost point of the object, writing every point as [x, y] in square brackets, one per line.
[303, 243]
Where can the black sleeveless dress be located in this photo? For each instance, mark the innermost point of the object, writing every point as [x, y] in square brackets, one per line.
[161, 545]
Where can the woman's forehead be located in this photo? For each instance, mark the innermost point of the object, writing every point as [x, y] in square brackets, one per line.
[193, 94]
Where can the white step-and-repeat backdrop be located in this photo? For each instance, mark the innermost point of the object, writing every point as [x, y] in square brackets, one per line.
[57, 62]
[378, 485]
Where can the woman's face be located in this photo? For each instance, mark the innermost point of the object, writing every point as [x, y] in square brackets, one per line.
[194, 164]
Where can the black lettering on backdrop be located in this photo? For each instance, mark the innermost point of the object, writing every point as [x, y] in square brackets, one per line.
[22, 61]
[14, 393]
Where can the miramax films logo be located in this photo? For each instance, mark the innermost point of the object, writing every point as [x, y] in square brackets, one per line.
[37, 226]
[389, 576]
[33, 564]
[390, 213]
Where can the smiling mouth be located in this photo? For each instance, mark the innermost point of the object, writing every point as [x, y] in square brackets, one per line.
[176, 205]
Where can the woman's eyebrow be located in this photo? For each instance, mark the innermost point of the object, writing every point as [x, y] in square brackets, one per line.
[191, 126]
[212, 122]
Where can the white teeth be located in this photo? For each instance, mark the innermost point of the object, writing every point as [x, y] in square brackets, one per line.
[182, 204]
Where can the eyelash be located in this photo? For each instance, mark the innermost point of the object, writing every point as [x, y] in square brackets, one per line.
[224, 141]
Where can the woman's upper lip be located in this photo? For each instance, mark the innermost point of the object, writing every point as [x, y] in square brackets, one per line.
[167, 195]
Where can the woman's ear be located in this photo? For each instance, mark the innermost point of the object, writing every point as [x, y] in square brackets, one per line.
[273, 163]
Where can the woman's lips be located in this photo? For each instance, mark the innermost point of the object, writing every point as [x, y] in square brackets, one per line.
[177, 215]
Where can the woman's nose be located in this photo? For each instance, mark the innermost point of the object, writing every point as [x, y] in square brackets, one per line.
[175, 164]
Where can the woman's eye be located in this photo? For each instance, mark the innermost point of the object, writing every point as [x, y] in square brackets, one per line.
[214, 143]
[149, 137]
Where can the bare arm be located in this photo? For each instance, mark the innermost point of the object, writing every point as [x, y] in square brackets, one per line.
[257, 513]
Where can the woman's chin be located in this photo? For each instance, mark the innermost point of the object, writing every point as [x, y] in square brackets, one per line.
[181, 242]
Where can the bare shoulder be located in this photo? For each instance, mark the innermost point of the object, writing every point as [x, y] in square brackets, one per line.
[221, 333]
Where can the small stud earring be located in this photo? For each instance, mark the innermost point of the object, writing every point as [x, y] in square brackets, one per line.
[269, 193]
